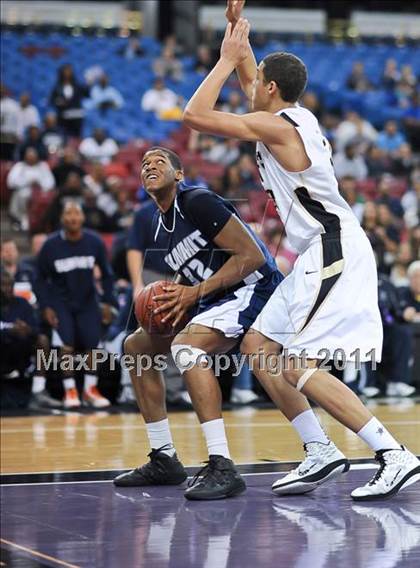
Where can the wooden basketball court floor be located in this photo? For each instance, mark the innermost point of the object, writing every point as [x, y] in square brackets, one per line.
[60, 507]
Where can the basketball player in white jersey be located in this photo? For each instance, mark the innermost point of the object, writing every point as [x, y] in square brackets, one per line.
[328, 304]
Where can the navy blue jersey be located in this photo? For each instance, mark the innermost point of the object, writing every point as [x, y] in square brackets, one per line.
[140, 237]
[65, 271]
[185, 235]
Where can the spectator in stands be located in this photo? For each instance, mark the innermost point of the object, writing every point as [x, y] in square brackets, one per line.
[357, 80]
[411, 204]
[67, 97]
[132, 49]
[69, 163]
[390, 139]
[403, 161]
[234, 104]
[370, 225]
[33, 140]
[37, 240]
[95, 217]
[99, 147]
[204, 60]
[107, 200]
[348, 189]
[18, 330]
[391, 75]
[122, 219]
[310, 101]
[410, 297]
[72, 190]
[28, 114]
[51, 137]
[350, 163]
[192, 176]
[247, 172]
[397, 346]
[22, 272]
[218, 151]
[9, 125]
[404, 258]
[408, 77]
[104, 96]
[412, 121]
[354, 129]
[377, 161]
[22, 178]
[167, 65]
[385, 197]
[159, 99]
[95, 181]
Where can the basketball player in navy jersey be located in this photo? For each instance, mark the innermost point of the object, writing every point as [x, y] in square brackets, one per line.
[227, 277]
[329, 301]
[68, 296]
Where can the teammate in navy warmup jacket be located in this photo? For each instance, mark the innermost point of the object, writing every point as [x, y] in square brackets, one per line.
[227, 277]
[68, 296]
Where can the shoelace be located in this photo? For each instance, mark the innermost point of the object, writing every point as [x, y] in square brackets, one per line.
[149, 468]
[204, 472]
[378, 474]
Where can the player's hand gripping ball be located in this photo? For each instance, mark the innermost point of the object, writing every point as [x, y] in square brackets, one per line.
[144, 307]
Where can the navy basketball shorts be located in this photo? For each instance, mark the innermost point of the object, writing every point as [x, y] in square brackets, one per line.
[79, 329]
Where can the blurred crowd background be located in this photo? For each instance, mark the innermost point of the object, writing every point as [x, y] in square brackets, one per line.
[80, 104]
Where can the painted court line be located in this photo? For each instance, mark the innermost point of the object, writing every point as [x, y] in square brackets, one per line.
[38, 554]
[279, 473]
[181, 426]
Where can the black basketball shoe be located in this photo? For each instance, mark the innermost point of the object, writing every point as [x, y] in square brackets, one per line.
[218, 479]
[160, 470]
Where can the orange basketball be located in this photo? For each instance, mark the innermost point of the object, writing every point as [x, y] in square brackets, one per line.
[145, 305]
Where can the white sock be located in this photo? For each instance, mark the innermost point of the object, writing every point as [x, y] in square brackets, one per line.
[214, 432]
[38, 384]
[69, 383]
[160, 435]
[90, 381]
[309, 429]
[377, 436]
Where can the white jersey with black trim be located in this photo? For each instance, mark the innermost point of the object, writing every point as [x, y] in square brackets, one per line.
[308, 202]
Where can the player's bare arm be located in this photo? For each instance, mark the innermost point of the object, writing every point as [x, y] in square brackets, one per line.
[245, 258]
[200, 114]
[247, 69]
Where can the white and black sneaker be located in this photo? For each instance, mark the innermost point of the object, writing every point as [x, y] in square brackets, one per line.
[323, 463]
[398, 469]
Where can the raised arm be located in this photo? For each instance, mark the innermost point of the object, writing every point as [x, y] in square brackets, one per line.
[247, 69]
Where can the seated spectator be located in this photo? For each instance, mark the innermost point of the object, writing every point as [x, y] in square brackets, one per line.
[28, 115]
[103, 96]
[410, 296]
[411, 204]
[385, 197]
[388, 231]
[357, 80]
[51, 137]
[72, 190]
[390, 139]
[397, 345]
[159, 99]
[22, 272]
[377, 161]
[95, 217]
[248, 172]
[310, 101]
[391, 75]
[192, 176]
[407, 76]
[69, 163]
[9, 124]
[167, 65]
[348, 189]
[95, 181]
[354, 129]
[122, 219]
[223, 152]
[99, 147]
[350, 163]
[403, 161]
[204, 60]
[374, 233]
[18, 330]
[404, 258]
[66, 97]
[412, 121]
[235, 103]
[107, 199]
[34, 140]
[22, 178]
[132, 49]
